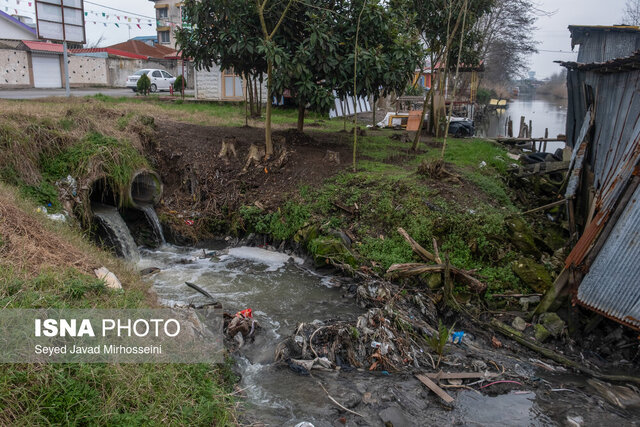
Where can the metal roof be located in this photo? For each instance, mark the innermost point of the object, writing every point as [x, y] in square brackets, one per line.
[612, 285]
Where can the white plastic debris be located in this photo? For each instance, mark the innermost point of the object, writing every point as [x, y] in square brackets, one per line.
[482, 164]
[108, 277]
[57, 217]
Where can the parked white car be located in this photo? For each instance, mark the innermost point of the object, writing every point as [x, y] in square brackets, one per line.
[160, 80]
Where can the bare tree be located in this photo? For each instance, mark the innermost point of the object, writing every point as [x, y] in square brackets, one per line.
[631, 13]
[507, 38]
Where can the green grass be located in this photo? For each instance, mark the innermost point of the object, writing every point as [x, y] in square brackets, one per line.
[99, 394]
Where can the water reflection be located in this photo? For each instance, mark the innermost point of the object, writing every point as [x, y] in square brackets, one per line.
[550, 113]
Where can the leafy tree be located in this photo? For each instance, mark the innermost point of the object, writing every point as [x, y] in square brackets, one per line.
[226, 34]
[439, 23]
[312, 51]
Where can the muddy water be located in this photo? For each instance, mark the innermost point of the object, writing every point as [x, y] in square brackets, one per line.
[544, 112]
[282, 292]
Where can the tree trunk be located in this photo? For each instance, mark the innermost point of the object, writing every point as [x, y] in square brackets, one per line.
[250, 94]
[373, 107]
[425, 107]
[267, 128]
[301, 116]
[259, 96]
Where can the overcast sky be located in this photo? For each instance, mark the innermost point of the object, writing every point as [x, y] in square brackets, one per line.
[552, 30]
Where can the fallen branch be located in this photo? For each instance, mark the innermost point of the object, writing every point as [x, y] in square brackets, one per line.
[417, 248]
[415, 269]
[515, 295]
[517, 336]
[337, 403]
[436, 252]
[545, 207]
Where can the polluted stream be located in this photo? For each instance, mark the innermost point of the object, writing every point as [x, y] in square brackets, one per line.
[283, 291]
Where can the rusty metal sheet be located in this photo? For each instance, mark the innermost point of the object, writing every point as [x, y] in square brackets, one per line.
[612, 284]
[582, 248]
[577, 157]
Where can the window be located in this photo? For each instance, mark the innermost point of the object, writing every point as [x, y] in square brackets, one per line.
[166, 75]
[156, 74]
[162, 13]
[164, 37]
[232, 85]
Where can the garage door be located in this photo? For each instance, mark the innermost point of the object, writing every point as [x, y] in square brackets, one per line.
[46, 71]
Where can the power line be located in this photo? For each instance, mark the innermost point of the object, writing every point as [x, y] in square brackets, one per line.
[120, 10]
[557, 51]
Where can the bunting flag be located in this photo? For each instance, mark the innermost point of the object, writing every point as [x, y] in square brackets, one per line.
[127, 20]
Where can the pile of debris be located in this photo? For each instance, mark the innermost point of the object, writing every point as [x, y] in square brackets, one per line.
[388, 337]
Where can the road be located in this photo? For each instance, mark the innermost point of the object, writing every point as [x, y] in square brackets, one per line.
[44, 93]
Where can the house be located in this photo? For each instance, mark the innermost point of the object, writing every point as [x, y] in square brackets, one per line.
[150, 40]
[168, 17]
[603, 195]
[141, 48]
[13, 28]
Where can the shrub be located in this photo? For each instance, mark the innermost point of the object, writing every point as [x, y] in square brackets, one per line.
[144, 84]
[177, 86]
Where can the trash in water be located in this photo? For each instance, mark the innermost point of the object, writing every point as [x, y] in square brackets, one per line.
[456, 337]
[189, 222]
[245, 313]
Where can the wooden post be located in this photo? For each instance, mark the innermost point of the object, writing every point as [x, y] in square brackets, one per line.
[546, 136]
[521, 131]
[510, 128]
[530, 128]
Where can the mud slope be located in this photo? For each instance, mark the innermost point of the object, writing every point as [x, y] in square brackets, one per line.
[197, 178]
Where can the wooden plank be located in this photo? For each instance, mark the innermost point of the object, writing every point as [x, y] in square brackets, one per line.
[434, 388]
[414, 120]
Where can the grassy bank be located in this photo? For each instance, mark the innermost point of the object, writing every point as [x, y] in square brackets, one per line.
[47, 264]
[466, 215]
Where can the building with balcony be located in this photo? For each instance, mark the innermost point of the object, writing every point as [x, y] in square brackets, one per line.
[168, 18]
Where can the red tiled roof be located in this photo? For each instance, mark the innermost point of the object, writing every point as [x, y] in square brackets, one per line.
[43, 46]
[109, 51]
[141, 48]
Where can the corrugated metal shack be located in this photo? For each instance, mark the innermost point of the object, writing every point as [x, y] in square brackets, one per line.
[603, 128]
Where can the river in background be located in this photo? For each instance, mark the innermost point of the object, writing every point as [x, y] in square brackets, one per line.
[544, 112]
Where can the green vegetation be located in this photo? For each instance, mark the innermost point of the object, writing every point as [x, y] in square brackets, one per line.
[179, 84]
[438, 341]
[51, 266]
[144, 84]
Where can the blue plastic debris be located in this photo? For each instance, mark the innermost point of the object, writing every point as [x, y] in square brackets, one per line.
[456, 337]
[385, 372]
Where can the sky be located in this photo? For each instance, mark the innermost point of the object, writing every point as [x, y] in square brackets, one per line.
[553, 35]
[551, 31]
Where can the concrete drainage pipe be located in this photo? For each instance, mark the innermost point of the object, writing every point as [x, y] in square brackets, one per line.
[145, 189]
